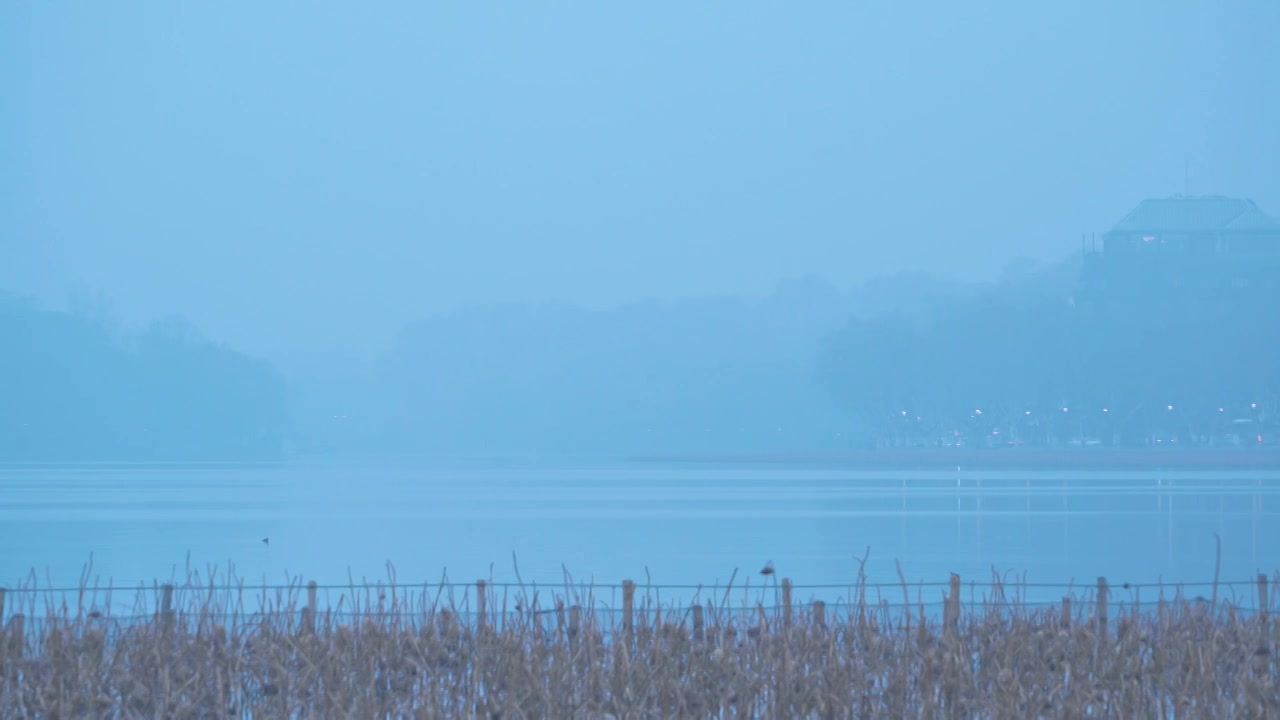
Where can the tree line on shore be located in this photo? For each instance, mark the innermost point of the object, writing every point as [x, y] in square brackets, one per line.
[1035, 363]
[73, 390]
[903, 362]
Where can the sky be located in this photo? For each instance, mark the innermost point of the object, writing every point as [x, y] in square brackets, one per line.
[300, 179]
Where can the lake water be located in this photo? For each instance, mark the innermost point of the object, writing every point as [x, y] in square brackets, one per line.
[608, 521]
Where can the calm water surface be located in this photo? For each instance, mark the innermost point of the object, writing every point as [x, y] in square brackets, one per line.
[682, 524]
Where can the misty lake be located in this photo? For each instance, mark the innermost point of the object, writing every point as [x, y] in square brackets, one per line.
[683, 524]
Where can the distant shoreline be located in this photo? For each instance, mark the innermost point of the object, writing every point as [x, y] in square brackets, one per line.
[1006, 459]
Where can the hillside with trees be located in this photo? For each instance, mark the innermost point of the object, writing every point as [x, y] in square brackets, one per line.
[74, 390]
[1029, 362]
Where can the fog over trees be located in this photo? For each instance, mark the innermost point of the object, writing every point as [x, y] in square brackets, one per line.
[711, 374]
[1172, 357]
[1040, 357]
[74, 389]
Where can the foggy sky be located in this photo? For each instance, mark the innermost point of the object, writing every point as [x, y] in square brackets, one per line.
[303, 178]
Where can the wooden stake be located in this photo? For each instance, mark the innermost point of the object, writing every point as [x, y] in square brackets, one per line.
[1066, 612]
[1102, 607]
[820, 613]
[309, 612]
[1262, 659]
[697, 622]
[628, 605]
[952, 612]
[19, 636]
[1264, 606]
[482, 601]
[786, 602]
[1, 607]
[575, 620]
[955, 593]
[166, 604]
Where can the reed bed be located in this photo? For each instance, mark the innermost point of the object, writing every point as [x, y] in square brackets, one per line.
[199, 650]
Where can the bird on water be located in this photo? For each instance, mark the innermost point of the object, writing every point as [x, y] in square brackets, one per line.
[767, 569]
[266, 541]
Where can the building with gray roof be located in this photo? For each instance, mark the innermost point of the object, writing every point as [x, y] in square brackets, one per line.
[1195, 246]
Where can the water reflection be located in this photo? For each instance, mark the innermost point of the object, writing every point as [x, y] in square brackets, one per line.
[604, 522]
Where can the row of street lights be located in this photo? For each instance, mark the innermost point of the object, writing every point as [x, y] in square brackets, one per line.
[1252, 406]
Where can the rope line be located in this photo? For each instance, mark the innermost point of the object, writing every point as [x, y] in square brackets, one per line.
[836, 610]
[399, 588]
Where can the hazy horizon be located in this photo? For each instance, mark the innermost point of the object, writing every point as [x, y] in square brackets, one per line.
[301, 184]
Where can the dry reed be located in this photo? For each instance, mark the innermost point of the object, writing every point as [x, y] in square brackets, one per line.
[431, 652]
